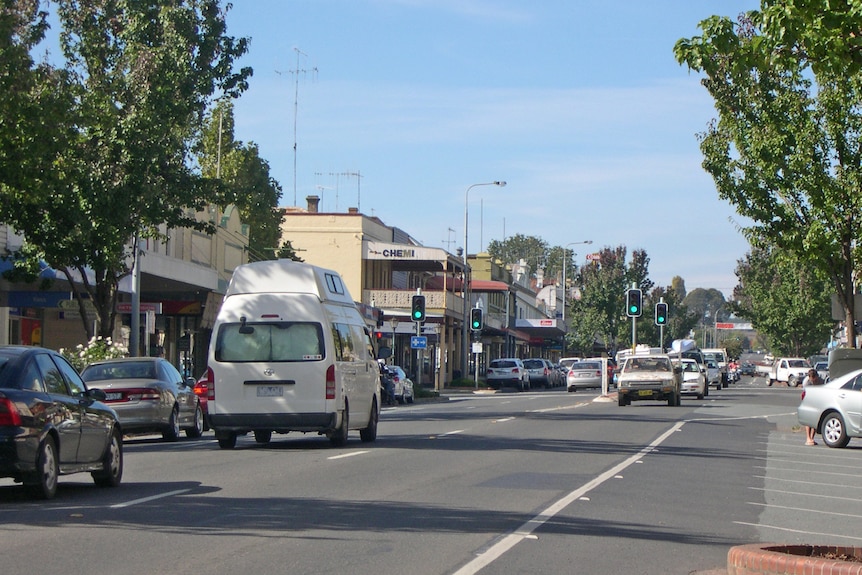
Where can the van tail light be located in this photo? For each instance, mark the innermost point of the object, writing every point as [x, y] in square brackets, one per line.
[205, 386]
[330, 382]
[9, 415]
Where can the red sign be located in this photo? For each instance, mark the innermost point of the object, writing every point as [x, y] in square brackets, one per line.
[724, 326]
[593, 257]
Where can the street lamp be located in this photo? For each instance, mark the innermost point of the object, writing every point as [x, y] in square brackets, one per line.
[464, 331]
[565, 258]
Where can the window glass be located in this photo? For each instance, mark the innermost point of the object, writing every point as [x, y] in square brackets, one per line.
[31, 379]
[274, 341]
[345, 348]
[76, 384]
[54, 381]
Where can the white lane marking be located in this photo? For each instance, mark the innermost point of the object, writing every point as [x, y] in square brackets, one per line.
[829, 535]
[505, 419]
[506, 543]
[147, 499]
[456, 431]
[806, 494]
[817, 483]
[559, 408]
[769, 505]
[351, 454]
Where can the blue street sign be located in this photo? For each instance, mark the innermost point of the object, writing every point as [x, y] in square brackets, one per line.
[418, 342]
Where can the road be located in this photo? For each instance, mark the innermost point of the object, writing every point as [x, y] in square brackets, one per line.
[535, 482]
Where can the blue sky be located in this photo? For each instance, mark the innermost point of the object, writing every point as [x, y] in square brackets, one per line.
[578, 105]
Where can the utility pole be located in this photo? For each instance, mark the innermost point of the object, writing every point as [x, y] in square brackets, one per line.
[296, 72]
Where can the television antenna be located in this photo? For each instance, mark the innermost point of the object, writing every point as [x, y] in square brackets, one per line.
[296, 73]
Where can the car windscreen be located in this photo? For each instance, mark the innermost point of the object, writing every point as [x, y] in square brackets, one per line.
[270, 341]
[586, 365]
[498, 364]
[534, 364]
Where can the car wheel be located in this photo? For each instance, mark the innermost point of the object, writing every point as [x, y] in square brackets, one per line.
[410, 398]
[705, 390]
[228, 441]
[263, 436]
[339, 436]
[833, 431]
[44, 482]
[621, 400]
[369, 433]
[172, 431]
[573, 389]
[700, 395]
[112, 463]
[197, 428]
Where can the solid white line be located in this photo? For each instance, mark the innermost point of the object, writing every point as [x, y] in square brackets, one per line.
[153, 498]
[454, 432]
[505, 419]
[351, 454]
[524, 531]
[769, 505]
[802, 493]
[817, 483]
[559, 408]
[830, 535]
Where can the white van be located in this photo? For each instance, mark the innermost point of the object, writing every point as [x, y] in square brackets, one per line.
[290, 352]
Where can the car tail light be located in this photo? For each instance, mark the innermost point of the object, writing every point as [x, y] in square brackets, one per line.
[598, 373]
[138, 394]
[330, 382]
[546, 371]
[803, 394]
[9, 415]
[204, 386]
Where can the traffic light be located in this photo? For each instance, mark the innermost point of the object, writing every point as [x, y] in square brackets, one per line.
[418, 313]
[476, 319]
[634, 303]
[661, 313]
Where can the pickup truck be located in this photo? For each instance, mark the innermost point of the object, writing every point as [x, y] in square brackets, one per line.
[649, 377]
[789, 370]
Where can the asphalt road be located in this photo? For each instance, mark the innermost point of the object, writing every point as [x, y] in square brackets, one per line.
[536, 482]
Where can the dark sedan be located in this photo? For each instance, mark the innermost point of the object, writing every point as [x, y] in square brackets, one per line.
[52, 425]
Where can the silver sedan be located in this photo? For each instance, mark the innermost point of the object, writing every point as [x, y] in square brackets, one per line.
[834, 409]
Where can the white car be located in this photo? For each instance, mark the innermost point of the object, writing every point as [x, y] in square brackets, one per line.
[508, 372]
[403, 390]
[693, 379]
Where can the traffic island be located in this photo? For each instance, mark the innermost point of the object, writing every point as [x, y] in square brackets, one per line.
[777, 559]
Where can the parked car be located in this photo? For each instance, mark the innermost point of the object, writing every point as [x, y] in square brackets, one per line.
[44, 408]
[149, 395]
[584, 374]
[402, 385]
[833, 408]
[507, 372]
[541, 372]
[693, 379]
[822, 368]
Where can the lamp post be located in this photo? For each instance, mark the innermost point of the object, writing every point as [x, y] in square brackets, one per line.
[464, 331]
[565, 259]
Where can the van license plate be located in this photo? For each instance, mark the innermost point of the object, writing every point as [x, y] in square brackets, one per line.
[645, 392]
[270, 391]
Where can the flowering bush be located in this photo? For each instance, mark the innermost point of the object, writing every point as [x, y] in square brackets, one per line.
[97, 349]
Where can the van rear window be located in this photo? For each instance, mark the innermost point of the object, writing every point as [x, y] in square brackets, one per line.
[270, 341]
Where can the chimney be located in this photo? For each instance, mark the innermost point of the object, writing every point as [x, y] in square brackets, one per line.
[352, 210]
[313, 203]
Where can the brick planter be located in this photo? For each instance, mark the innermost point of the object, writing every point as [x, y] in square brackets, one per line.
[776, 559]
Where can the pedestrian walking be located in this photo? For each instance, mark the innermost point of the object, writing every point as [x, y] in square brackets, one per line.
[813, 378]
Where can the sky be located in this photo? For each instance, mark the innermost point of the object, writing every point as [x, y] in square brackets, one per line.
[398, 107]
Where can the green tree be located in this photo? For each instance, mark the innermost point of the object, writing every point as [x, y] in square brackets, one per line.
[140, 76]
[531, 249]
[785, 300]
[786, 150]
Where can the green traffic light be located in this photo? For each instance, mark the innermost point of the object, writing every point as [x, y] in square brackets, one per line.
[633, 309]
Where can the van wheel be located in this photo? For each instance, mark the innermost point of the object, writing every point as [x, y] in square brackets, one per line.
[228, 441]
[263, 436]
[369, 434]
[339, 436]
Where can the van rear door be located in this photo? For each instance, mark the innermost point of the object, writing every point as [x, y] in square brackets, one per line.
[271, 366]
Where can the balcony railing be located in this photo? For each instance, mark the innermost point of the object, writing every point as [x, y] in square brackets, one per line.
[435, 301]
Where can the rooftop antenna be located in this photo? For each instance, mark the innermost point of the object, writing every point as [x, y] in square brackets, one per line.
[358, 177]
[449, 241]
[296, 72]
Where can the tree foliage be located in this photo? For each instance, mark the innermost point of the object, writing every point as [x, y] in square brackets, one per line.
[786, 301]
[531, 249]
[786, 149]
[115, 137]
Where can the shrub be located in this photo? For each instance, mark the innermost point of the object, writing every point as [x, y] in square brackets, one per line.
[97, 349]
